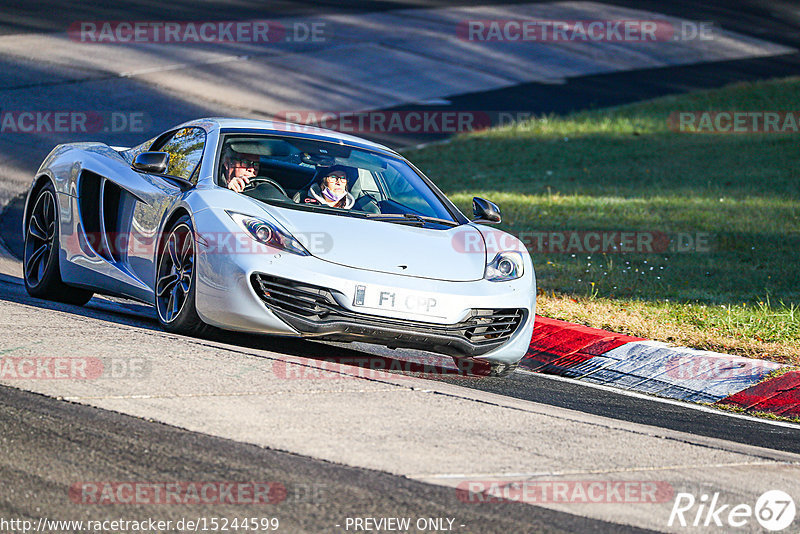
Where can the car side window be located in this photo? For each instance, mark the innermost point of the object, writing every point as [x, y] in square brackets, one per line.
[185, 149]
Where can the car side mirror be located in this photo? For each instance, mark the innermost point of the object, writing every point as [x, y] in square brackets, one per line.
[153, 162]
[485, 211]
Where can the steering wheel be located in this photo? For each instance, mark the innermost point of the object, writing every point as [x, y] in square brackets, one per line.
[258, 180]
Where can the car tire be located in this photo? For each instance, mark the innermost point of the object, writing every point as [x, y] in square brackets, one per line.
[40, 260]
[176, 281]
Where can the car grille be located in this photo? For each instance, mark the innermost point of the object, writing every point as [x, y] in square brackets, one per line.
[295, 297]
[317, 304]
[493, 324]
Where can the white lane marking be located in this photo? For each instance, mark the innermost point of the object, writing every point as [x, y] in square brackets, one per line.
[179, 66]
[146, 396]
[692, 406]
[594, 471]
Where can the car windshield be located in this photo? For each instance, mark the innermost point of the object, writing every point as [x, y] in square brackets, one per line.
[329, 177]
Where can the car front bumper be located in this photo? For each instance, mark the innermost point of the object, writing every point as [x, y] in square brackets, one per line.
[230, 297]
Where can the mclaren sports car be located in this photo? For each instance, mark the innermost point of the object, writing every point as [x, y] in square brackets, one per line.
[232, 224]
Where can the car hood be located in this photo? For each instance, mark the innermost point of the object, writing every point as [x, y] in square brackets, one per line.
[387, 247]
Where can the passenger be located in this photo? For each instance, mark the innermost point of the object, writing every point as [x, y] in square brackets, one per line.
[330, 190]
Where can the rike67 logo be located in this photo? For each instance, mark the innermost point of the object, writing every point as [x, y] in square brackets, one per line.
[774, 510]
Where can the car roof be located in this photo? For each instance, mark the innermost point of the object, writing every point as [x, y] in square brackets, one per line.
[229, 125]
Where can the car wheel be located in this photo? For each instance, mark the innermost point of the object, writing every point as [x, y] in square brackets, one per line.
[176, 281]
[41, 255]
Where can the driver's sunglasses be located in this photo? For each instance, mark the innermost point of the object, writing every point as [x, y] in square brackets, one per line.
[247, 163]
[337, 178]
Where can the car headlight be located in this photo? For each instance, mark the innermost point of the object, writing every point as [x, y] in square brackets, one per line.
[269, 234]
[505, 266]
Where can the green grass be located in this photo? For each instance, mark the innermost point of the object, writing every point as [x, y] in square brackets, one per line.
[623, 169]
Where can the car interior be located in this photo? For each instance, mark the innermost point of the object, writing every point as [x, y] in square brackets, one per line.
[286, 171]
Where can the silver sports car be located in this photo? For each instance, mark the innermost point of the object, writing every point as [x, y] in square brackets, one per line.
[274, 228]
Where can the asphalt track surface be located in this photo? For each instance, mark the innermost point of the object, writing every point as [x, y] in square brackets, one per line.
[772, 20]
[318, 495]
[46, 441]
[573, 395]
[776, 21]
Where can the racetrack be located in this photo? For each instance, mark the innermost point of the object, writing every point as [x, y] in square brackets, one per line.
[238, 408]
[270, 398]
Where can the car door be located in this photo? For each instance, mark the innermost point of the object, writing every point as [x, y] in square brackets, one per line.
[156, 194]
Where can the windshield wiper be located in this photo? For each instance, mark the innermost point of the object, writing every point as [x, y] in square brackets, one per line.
[404, 218]
[411, 218]
[437, 220]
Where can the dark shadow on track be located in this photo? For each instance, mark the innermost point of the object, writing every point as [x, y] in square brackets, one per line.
[11, 226]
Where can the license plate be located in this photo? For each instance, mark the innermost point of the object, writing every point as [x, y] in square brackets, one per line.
[391, 299]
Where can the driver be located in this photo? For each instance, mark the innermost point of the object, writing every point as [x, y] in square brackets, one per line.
[330, 190]
[238, 168]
